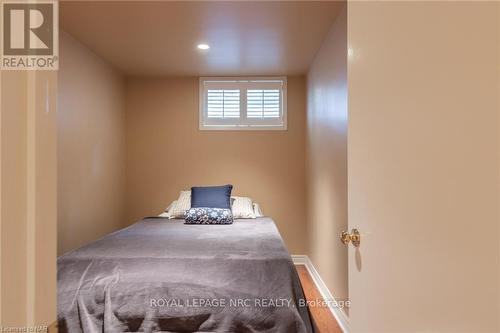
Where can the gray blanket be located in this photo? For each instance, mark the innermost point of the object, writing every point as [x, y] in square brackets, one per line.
[161, 275]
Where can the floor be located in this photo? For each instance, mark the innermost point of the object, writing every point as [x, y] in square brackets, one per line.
[322, 317]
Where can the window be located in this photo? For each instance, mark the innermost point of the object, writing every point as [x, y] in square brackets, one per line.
[243, 103]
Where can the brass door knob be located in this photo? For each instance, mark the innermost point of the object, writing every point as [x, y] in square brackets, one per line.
[354, 237]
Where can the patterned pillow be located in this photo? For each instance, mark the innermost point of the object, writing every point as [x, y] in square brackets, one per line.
[203, 215]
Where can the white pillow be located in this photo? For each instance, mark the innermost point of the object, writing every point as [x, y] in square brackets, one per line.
[242, 208]
[179, 208]
[257, 211]
[166, 213]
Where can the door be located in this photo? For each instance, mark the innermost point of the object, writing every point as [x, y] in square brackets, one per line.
[423, 166]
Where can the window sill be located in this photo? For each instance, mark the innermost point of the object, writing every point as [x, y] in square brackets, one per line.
[242, 128]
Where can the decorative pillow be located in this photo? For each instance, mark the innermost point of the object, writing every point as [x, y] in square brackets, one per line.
[257, 211]
[180, 207]
[242, 208]
[166, 213]
[211, 197]
[206, 215]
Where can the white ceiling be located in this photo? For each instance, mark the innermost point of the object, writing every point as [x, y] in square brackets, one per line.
[160, 37]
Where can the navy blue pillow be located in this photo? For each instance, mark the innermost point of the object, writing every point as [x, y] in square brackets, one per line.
[211, 196]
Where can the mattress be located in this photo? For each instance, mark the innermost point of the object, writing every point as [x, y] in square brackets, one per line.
[160, 275]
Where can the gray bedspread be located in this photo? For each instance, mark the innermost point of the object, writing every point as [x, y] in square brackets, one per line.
[161, 275]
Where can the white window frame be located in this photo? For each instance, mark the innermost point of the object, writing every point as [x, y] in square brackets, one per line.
[242, 123]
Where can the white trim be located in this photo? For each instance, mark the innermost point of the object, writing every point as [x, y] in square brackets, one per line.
[339, 315]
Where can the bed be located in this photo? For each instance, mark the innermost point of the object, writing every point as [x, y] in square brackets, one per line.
[161, 275]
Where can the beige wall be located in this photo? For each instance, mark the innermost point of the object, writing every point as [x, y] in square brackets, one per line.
[14, 197]
[327, 157]
[423, 166]
[167, 153]
[42, 197]
[91, 139]
[498, 133]
[28, 198]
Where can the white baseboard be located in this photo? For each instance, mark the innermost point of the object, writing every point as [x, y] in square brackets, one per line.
[341, 317]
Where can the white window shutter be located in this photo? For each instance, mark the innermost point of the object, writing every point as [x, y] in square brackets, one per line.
[263, 103]
[223, 103]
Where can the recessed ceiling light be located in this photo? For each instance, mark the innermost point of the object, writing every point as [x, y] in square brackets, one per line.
[203, 46]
